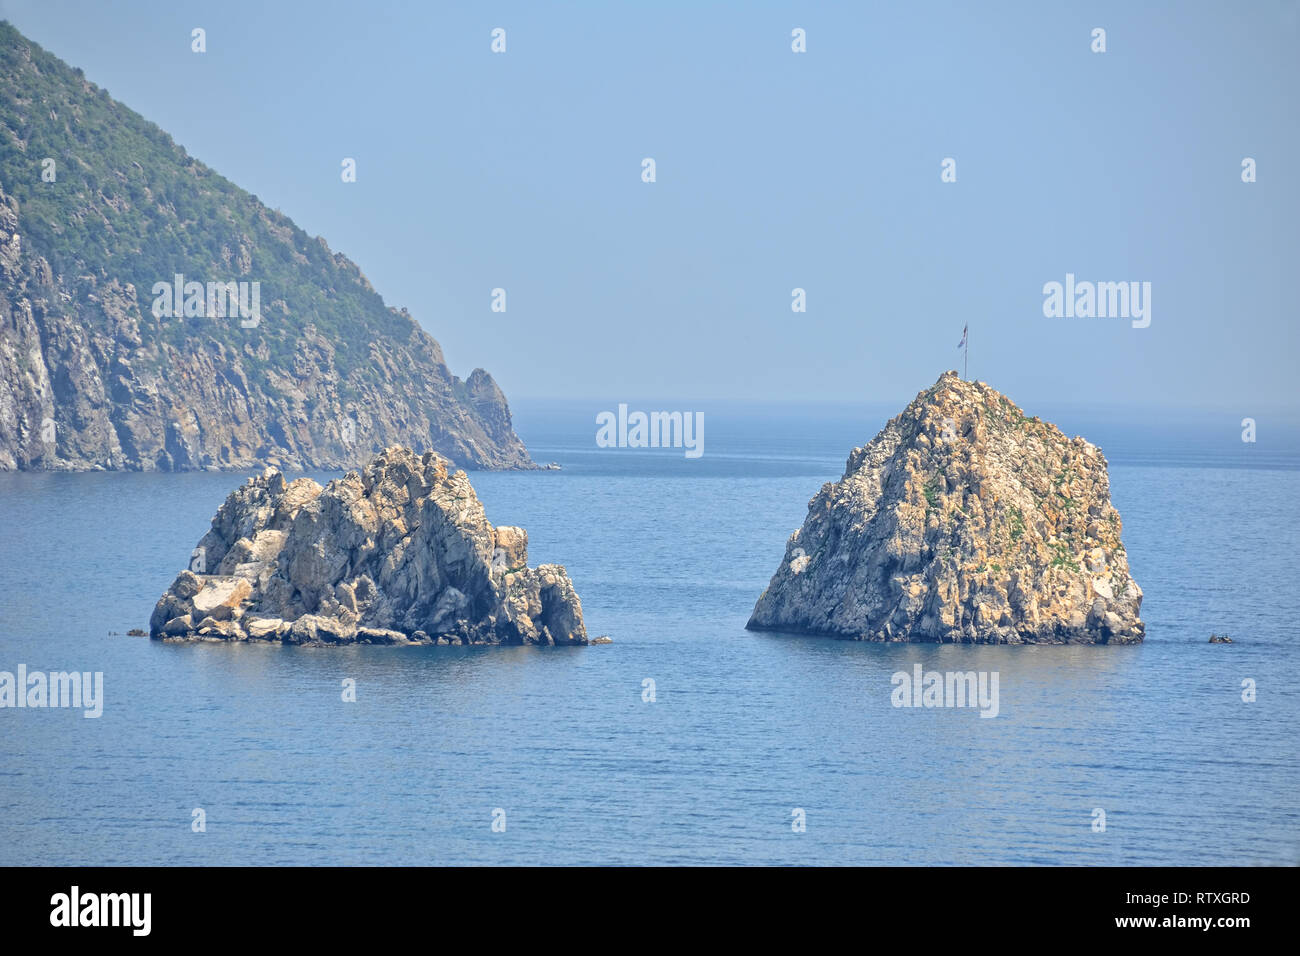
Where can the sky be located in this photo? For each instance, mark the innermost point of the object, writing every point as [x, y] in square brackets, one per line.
[774, 170]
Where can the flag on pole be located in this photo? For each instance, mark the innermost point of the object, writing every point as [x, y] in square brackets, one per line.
[962, 343]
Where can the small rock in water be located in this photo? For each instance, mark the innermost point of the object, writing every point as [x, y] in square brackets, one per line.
[1220, 639]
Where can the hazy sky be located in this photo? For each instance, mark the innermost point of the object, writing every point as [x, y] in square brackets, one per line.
[775, 170]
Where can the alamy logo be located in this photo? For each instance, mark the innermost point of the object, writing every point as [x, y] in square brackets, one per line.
[653, 430]
[103, 909]
[951, 689]
[1101, 300]
[55, 689]
[215, 300]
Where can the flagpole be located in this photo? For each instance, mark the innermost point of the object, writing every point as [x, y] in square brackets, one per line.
[965, 357]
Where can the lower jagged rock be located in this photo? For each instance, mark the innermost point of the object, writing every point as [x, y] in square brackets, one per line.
[400, 552]
[962, 521]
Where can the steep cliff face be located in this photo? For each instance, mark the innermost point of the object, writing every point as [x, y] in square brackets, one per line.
[399, 552]
[280, 351]
[962, 521]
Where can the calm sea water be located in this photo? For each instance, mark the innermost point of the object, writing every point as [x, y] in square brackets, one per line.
[668, 556]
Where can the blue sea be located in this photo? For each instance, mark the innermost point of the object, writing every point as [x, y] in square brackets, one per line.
[746, 734]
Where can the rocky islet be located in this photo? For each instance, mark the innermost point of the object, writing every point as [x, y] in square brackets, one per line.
[399, 552]
[963, 520]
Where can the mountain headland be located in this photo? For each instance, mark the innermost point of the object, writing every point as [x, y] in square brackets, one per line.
[155, 316]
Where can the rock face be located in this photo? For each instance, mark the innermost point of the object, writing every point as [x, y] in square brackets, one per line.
[400, 552]
[98, 370]
[962, 521]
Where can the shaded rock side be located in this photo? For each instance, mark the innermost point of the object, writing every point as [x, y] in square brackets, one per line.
[964, 520]
[399, 552]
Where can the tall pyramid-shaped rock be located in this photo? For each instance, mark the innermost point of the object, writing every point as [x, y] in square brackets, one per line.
[962, 521]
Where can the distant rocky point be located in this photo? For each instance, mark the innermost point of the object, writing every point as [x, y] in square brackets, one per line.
[397, 553]
[964, 520]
